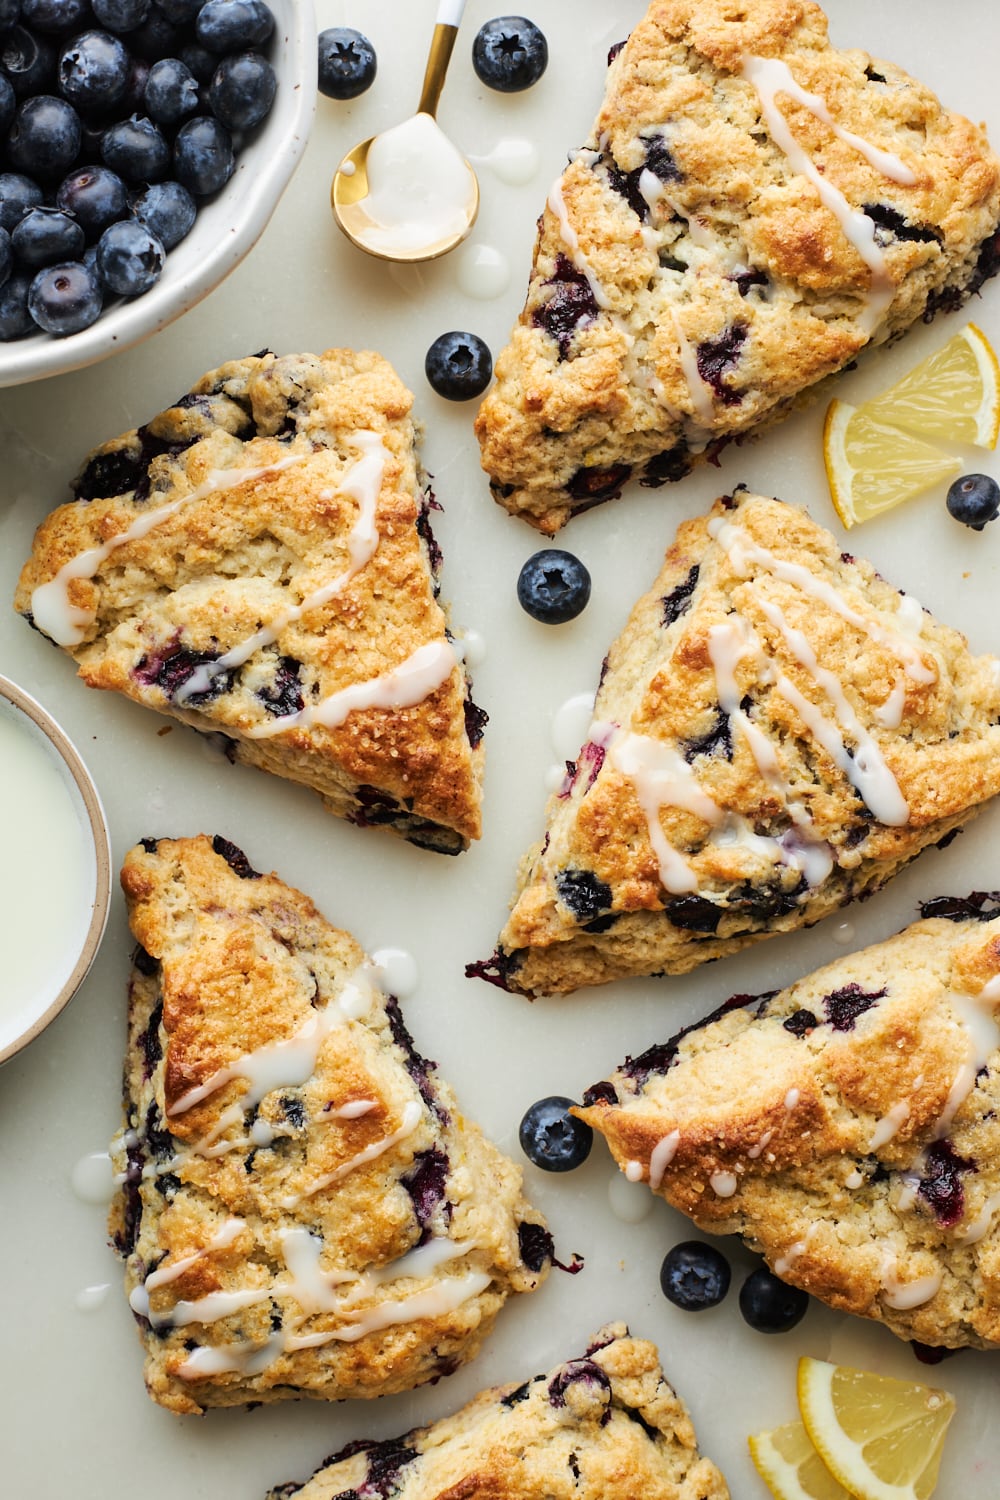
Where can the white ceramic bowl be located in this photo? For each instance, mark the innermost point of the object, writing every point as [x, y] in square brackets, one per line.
[70, 878]
[224, 231]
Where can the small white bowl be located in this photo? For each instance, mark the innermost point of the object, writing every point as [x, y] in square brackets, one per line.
[68, 902]
[225, 230]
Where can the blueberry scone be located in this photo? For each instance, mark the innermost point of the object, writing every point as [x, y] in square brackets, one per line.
[603, 1427]
[752, 208]
[848, 1127]
[776, 732]
[303, 1211]
[258, 560]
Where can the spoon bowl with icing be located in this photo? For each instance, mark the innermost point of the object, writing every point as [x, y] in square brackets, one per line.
[408, 194]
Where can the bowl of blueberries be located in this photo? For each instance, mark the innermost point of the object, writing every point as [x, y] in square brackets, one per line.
[146, 145]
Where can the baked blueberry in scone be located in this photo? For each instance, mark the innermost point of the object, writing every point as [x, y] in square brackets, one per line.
[777, 731]
[752, 208]
[606, 1426]
[258, 560]
[304, 1211]
[848, 1127]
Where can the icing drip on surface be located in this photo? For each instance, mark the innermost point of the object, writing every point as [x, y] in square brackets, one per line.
[770, 76]
[662, 1155]
[363, 483]
[405, 686]
[67, 624]
[571, 240]
[723, 1184]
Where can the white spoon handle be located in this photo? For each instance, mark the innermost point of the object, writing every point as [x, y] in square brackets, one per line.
[450, 13]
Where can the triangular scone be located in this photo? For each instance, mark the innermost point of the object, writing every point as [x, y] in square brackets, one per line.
[848, 1127]
[606, 1426]
[304, 1210]
[257, 560]
[751, 209]
[777, 731]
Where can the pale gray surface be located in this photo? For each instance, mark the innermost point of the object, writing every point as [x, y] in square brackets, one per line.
[75, 1418]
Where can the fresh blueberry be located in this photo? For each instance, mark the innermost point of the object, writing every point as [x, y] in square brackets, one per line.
[136, 149]
[93, 71]
[120, 15]
[168, 210]
[8, 103]
[28, 61]
[694, 1276]
[509, 54]
[203, 155]
[171, 92]
[459, 366]
[347, 63]
[974, 499]
[180, 11]
[155, 38]
[132, 101]
[95, 196]
[65, 299]
[129, 258]
[769, 1304]
[242, 90]
[201, 62]
[552, 1138]
[45, 236]
[6, 256]
[231, 25]
[553, 586]
[44, 138]
[15, 319]
[17, 194]
[55, 15]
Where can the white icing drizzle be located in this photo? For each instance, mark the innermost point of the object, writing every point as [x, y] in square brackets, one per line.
[702, 395]
[906, 1295]
[352, 1110]
[890, 713]
[226, 1235]
[402, 687]
[770, 76]
[979, 1227]
[412, 1115]
[634, 1171]
[889, 1125]
[661, 778]
[854, 1179]
[662, 1155]
[792, 1099]
[395, 972]
[65, 623]
[363, 483]
[982, 1031]
[744, 553]
[723, 1184]
[784, 1262]
[570, 238]
[760, 1146]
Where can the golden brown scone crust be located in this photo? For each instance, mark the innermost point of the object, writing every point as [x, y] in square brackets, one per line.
[848, 1128]
[207, 577]
[739, 267]
[604, 1427]
[339, 1135]
[780, 845]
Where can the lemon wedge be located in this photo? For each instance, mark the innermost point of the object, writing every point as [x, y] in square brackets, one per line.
[881, 1438]
[790, 1466]
[872, 466]
[953, 394]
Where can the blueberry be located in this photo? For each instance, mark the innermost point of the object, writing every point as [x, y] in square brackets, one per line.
[44, 138]
[155, 38]
[55, 15]
[15, 319]
[129, 258]
[203, 155]
[770, 1305]
[509, 54]
[93, 71]
[171, 92]
[17, 194]
[347, 63]
[694, 1276]
[45, 236]
[180, 11]
[6, 256]
[553, 586]
[95, 196]
[8, 103]
[120, 15]
[974, 499]
[230, 25]
[132, 101]
[552, 1138]
[136, 149]
[459, 366]
[168, 210]
[201, 62]
[242, 90]
[65, 299]
[28, 61]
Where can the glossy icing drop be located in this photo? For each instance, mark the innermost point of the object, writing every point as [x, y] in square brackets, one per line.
[906, 1295]
[513, 159]
[419, 187]
[90, 1298]
[395, 972]
[93, 1178]
[723, 1184]
[662, 1155]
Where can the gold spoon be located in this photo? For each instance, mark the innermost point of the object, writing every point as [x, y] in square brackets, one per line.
[350, 187]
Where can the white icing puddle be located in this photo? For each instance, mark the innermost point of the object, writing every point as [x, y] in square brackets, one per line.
[482, 272]
[513, 159]
[630, 1202]
[395, 972]
[90, 1298]
[92, 1178]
